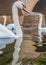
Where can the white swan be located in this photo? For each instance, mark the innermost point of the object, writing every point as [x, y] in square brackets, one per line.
[12, 26]
[9, 26]
[6, 37]
[41, 30]
[16, 5]
[6, 34]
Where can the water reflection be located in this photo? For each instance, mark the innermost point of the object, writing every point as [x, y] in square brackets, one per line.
[17, 49]
[7, 41]
[4, 42]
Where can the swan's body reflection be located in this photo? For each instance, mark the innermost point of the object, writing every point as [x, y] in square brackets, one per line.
[4, 42]
[17, 45]
[17, 49]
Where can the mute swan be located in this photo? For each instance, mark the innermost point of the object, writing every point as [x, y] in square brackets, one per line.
[41, 30]
[6, 37]
[16, 5]
[12, 26]
[9, 26]
[6, 34]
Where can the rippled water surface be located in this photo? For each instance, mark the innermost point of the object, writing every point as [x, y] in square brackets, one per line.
[10, 50]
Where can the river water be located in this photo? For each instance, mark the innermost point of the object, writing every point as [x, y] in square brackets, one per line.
[15, 49]
[10, 50]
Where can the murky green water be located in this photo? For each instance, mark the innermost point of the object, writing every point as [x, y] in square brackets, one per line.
[7, 56]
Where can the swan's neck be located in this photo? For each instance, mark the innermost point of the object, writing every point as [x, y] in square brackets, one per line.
[16, 21]
[40, 21]
[4, 21]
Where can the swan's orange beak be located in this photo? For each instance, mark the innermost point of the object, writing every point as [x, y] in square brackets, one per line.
[25, 10]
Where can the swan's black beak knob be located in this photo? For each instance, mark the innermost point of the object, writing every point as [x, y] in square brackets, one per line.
[24, 8]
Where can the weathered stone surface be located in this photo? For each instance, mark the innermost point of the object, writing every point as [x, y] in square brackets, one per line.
[30, 25]
[28, 50]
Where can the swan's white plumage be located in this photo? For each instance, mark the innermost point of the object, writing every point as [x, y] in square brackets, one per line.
[16, 25]
[16, 5]
[11, 27]
[41, 29]
[6, 37]
[5, 33]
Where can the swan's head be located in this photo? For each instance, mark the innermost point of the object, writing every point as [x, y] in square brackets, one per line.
[4, 16]
[20, 5]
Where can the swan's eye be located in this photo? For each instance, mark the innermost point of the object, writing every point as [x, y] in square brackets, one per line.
[24, 5]
[12, 28]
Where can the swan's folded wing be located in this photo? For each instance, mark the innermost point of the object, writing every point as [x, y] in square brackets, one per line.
[5, 33]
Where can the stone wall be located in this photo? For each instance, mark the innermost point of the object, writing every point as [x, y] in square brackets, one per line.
[30, 25]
